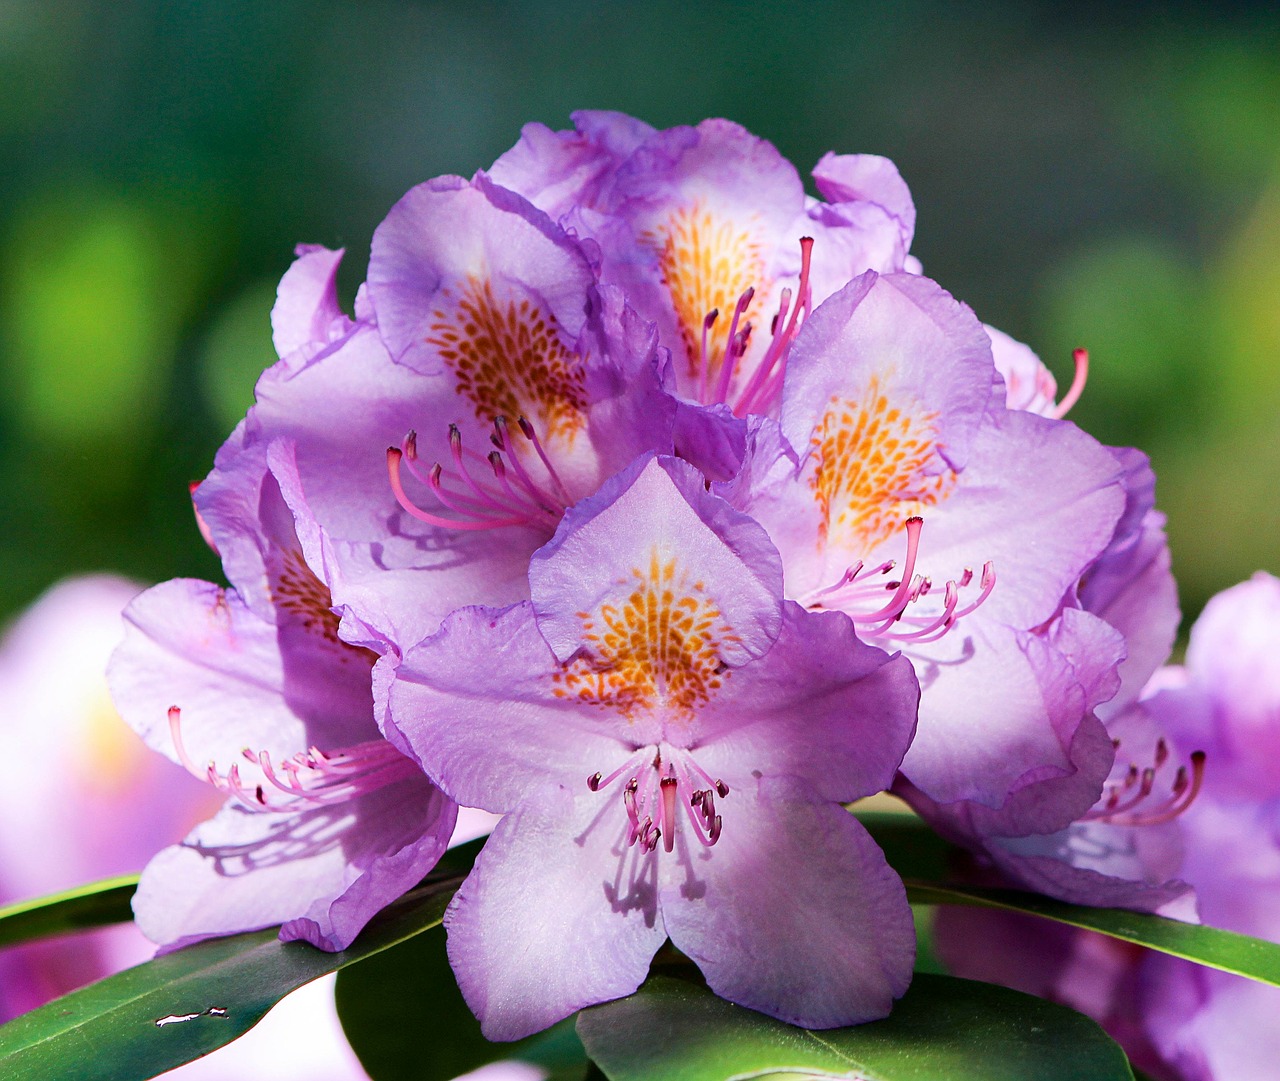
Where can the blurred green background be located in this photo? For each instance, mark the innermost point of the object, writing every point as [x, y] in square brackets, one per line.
[1084, 174]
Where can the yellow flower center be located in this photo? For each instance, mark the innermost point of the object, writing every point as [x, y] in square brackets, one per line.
[659, 648]
[872, 459]
[707, 262]
[509, 360]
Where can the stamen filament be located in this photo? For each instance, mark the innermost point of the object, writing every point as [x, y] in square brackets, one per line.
[314, 778]
[455, 450]
[765, 384]
[490, 499]
[540, 498]
[394, 457]
[939, 627]
[1182, 793]
[662, 779]
[1081, 359]
[704, 360]
[733, 348]
[532, 436]
[595, 782]
[988, 584]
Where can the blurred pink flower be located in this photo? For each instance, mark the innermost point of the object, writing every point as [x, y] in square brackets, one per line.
[86, 805]
[94, 802]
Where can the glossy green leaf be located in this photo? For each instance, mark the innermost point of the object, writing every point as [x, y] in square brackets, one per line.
[917, 853]
[176, 1008]
[1210, 946]
[910, 845]
[406, 1020]
[94, 905]
[944, 1029]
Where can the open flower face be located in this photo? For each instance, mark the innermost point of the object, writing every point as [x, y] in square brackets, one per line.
[1058, 835]
[710, 234]
[325, 822]
[901, 491]
[486, 384]
[671, 743]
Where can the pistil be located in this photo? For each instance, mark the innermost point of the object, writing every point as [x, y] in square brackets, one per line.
[857, 594]
[662, 780]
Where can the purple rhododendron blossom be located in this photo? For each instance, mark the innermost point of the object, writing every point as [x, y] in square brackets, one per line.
[670, 743]
[1120, 848]
[326, 822]
[1180, 1021]
[96, 803]
[709, 233]
[902, 491]
[1211, 1026]
[507, 383]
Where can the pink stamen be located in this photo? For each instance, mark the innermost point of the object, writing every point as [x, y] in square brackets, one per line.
[931, 632]
[595, 782]
[541, 499]
[532, 436]
[988, 584]
[394, 458]
[734, 347]
[1117, 810]
[481, 506]
[662, 779]
[765, 383]
[704, 360]
[314, 778]
[1081, 359]
[850, 575]
[895, 618]
[483, 497]
[700, 829]
[700, 806]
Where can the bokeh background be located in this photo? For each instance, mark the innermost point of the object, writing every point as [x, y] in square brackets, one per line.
[1096, 175]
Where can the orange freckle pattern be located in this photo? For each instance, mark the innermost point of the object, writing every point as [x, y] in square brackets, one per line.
[509, 361]
[658, 648]
[707, 263]
[871, 459]
[295, 589]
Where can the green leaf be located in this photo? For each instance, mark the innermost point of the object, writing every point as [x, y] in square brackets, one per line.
[94, 905]
[185, 1004]
[1210, 946]
[943, 1029]
[917, 853]
[910, 845]
[407, 1021]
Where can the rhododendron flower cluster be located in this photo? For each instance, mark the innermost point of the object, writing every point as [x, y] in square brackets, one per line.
[663, 510]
